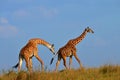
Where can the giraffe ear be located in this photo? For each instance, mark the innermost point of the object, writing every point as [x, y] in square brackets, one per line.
[52, 45]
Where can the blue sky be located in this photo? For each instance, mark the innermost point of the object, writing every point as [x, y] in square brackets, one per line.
[57, 22]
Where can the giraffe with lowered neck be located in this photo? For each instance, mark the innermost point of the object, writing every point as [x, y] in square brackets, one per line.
[30, 50]
[69, 50]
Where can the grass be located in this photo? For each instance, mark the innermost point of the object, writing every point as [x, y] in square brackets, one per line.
[106, 72]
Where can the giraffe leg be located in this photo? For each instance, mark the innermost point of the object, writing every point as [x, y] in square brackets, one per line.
[64, 62]
[27, 60]
[42, 63]
[38, 58]
[31, 63]
[76, 57]
[58, 62]
[20, 64]
[70, 61]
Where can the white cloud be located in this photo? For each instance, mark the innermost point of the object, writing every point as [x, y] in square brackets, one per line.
[7, 30]
[21, 13]
[48, 12]
[40, 11]
[3, 21]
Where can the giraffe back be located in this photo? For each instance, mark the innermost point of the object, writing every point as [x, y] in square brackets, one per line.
[28, 49]
[67, 50]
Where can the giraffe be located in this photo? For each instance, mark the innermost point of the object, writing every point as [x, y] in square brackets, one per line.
[30, 50]
[69, 50]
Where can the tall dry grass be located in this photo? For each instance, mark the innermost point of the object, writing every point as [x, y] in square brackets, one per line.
[106, 72]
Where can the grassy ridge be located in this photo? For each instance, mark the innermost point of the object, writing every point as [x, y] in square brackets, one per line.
[106, 72]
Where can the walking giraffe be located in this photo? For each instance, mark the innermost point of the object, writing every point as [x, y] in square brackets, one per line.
[30, 50]
[69, 50]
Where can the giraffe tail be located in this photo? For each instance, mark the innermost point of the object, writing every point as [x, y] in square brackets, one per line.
[53, 59]
[19, 62]
[16, 65]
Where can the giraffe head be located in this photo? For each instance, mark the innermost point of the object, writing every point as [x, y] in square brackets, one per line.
[89, 30]
[52, 49]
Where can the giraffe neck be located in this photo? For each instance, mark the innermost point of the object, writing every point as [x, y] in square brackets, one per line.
[79, 38]
[40, 42]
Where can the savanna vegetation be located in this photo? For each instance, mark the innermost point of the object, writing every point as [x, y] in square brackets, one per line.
[106, 72]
